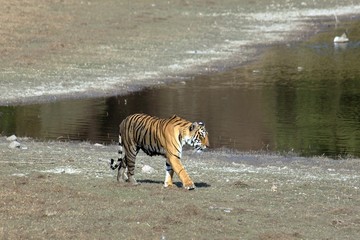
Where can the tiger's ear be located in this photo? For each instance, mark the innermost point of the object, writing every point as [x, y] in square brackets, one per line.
[193, 126]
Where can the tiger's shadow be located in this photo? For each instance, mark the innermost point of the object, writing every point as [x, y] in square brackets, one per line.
[178, 184]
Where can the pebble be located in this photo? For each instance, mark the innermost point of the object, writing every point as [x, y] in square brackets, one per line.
[147, 169]
[11, 138]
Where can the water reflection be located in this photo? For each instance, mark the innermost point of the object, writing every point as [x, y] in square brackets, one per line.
[303, 98]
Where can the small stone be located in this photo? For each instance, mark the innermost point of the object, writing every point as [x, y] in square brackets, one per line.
[147, 169]
[98, 145]
[14, 144]
[227, 210]
[49, 213]
[11, 138]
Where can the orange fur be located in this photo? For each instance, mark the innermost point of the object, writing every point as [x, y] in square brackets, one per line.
[157, 136]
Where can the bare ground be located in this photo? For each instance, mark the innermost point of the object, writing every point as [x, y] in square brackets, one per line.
[65, 190]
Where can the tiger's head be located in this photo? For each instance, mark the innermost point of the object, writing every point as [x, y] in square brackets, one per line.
[198, 136]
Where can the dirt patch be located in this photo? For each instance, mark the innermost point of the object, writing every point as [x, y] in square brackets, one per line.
[66, 190]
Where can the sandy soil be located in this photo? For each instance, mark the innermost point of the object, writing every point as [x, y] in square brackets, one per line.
[71, 49]
[67, 191]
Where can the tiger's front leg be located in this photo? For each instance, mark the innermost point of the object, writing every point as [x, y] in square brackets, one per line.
[169, 173]
[179, 169]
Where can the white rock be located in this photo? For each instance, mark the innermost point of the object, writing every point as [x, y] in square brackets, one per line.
[227, 210]
[342, 39]
[14, 144]
[18, 174]
[147, 169]
[11, 138]
[274, 188]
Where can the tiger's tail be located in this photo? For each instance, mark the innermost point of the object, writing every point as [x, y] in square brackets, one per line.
[119, 163]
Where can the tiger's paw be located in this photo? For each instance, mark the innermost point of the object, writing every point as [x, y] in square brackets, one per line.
[122, 177]
[190, 187]
[168, 184]
[132, 180]
[120, 180]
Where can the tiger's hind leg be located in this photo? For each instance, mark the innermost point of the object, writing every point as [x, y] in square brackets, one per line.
[121, 167]
[122, 176]
[130, 163]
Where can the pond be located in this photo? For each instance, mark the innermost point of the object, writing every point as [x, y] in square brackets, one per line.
[300, 97]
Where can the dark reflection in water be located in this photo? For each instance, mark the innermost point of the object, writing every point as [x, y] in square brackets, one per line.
[303, 98]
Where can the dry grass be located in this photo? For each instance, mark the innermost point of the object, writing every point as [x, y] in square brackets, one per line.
[66, 191]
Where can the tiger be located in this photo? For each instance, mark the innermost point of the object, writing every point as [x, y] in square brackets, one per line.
[156, 136]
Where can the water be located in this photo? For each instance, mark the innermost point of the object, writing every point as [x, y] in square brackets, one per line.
[303, 98]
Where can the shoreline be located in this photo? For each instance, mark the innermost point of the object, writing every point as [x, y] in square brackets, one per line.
[227, 46]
